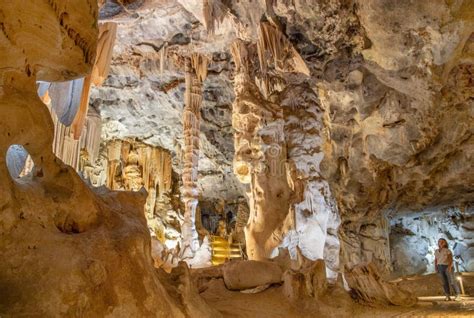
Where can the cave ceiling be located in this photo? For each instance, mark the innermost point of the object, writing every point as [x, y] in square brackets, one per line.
[396, 85]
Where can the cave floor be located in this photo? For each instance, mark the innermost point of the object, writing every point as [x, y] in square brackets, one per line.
[273, 303]
[435, 306]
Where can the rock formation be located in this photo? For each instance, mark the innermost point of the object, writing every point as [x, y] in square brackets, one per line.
[332, 138]
[388, 120]
[289, 200]
[259, 161]
[196, 72]
[68, 103]
[368, 287]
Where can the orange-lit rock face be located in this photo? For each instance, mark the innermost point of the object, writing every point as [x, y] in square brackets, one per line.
[259, 161]
[44, 39]
[78, 241]
[40, 42]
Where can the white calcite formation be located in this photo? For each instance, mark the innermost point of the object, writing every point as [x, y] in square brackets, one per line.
[316, 215]
[354, 130]
[399, 126]
[144, 95]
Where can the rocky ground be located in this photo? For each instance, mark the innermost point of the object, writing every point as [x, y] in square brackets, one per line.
[272, 303]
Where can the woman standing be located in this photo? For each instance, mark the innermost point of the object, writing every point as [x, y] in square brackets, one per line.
[444, 267]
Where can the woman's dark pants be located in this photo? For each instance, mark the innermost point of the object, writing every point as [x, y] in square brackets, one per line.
[447, 278]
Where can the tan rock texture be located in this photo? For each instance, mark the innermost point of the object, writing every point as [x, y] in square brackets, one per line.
[368, 287]
[401, 130]
[65, 250]
[240, 275]
[279, 143]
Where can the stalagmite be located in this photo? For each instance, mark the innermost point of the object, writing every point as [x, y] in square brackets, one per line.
[133, 165]
[71, 246]
[260, 155]
[195, 73]
[316, 215]
[279, 146]
[215, 158]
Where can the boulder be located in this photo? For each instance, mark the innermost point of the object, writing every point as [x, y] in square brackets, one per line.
[239, 275]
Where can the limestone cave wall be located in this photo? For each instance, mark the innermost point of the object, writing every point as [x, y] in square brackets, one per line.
[382, 90]
[414, 238]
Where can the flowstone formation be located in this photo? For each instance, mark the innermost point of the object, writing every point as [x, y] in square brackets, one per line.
[401, 130]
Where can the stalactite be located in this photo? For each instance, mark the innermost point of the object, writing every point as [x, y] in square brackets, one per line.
[208, 12]
[114, 149]
[97, 236]
[100, 71]
[242, 53]
[199, 67]
[163, 57]
[105, 45]
[65, 146]
[214, 13]
[196, 71]
[90, 140]
[273, 43]
[68, 103]
[132, 165]
[79, 119]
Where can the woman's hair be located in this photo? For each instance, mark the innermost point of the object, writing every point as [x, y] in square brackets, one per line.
[445, 242]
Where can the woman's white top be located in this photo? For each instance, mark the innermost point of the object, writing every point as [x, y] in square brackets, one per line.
[442, 256]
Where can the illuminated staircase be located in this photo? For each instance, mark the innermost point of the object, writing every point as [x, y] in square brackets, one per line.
[223, 251]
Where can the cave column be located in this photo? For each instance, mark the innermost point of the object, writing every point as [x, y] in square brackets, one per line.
[279, 146]
[260, 157]
[316, 214]
[195, 72]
